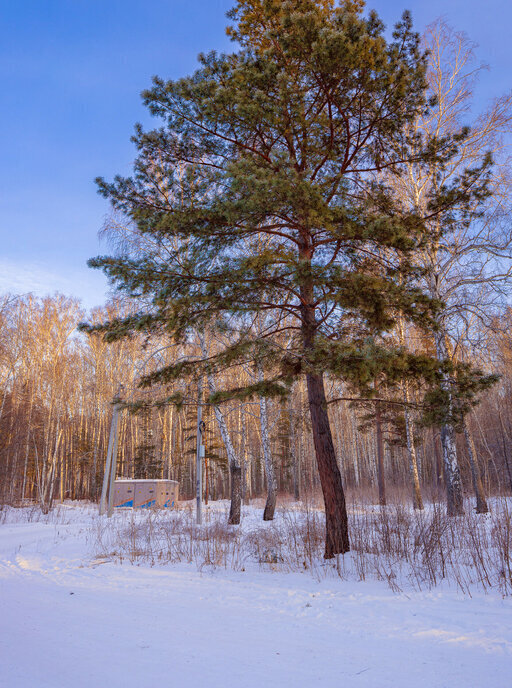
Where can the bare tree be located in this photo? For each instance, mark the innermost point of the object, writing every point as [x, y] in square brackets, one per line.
[468, 260]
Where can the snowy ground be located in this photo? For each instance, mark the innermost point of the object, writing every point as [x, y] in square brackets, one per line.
[68, 618]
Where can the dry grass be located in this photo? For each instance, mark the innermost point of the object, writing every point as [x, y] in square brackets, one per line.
[406, 549]
[60, 514]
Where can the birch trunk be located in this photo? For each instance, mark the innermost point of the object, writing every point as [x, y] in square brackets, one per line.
[417, 500]
[409, 433]
[270, 506]
[235, 468]
[246, 464]
[454, 498]
[47, 477]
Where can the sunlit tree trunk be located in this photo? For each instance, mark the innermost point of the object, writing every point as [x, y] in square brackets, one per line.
[411, 451]
[270, 505]
[235, 468]
[454, 497]
[379, 437]
[481, 502]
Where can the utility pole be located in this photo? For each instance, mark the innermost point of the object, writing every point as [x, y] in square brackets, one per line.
[111, 461]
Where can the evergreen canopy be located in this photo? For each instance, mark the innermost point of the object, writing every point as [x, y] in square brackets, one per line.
[259, 190]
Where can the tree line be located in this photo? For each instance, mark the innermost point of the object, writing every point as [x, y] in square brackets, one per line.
[56, 409]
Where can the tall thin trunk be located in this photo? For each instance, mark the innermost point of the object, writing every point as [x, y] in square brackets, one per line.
[62, 476]
[270, 506]
[48, 477]
[234, 462]
[505, 450]
[236, 494]
[356, 450]
[409, 432]
[439, 461]
[454, 497]
[417, 500]
[380, 454]
[295, 454]
[454, 500]
[25, 466]
[481, 502]
[206, 477]
[246, 465]
[27, 442]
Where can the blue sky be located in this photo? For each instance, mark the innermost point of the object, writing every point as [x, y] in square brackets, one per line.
[71, 72]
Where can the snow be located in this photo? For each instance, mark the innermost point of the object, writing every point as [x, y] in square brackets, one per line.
[69, 617]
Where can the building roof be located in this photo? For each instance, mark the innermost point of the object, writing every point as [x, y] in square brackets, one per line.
[144, 480]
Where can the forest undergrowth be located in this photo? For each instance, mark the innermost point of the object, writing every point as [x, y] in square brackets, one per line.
[408, 549]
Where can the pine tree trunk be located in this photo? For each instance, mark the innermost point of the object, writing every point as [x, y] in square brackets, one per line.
[336, 524]
[380, 454]
[481, 502]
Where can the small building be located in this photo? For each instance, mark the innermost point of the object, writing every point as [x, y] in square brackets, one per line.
[144, 494]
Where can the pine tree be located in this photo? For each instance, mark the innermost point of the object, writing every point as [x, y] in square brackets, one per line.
[279, 140]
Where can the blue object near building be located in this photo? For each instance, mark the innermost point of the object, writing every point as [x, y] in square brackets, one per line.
[145, 493]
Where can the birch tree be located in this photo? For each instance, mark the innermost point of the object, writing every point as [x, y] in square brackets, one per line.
[467, 259]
